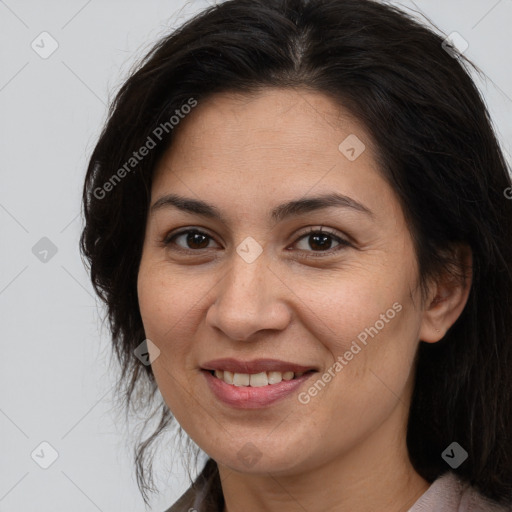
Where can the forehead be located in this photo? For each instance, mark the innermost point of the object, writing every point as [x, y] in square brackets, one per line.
[274, 142]
[288, 119]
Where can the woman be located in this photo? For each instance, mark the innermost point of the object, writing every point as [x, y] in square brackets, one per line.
[296, 216]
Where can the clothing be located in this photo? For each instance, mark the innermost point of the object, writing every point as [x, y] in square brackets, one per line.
[450, 494]
[204, 495]
[446, 494]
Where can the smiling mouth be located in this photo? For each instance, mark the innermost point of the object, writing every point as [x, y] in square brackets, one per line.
[255, 380]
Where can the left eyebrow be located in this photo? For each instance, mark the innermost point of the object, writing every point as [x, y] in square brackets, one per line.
[309, 204]
[281, 212]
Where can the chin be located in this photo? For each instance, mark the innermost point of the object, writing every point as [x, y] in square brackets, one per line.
[254, 457]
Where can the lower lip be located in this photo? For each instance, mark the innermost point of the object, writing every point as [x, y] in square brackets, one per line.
[247, 397]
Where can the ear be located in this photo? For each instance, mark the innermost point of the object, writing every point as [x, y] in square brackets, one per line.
[448, 295]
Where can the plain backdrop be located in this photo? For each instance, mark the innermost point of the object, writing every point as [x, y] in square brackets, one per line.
[56, 385]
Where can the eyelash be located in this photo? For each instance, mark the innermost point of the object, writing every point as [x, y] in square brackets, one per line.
[169, 239]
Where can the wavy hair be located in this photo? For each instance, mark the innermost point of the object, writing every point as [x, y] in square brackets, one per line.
[436, 147]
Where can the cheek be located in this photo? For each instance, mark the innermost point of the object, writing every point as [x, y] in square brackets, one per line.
[164, 306]
[166, 302]
[153, 296]
[370, 373]
[169, 304]
[356, 303]
[370, 327]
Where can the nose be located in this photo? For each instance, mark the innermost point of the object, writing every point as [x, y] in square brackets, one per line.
[250, 298]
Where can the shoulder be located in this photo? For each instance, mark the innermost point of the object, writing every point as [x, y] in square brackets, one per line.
[473, 501]
[451, 494]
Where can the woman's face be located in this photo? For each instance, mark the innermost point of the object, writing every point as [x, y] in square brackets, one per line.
[255, 174]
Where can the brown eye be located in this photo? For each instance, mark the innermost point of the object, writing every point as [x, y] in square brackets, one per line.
[317, 240]
[191, 240]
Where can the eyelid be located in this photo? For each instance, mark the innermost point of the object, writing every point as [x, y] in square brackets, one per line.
[341, 240]
[167, 239]
[320, 229]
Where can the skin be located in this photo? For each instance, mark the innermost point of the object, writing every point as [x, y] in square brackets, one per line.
[345, 450]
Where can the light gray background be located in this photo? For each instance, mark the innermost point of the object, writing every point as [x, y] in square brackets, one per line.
[56, 385]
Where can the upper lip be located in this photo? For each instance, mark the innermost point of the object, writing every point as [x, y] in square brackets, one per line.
[254, 366]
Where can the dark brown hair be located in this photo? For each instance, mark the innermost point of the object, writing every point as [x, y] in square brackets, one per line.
[436, 148]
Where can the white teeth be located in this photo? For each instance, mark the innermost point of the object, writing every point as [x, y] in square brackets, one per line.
[255, 380]
[258, 380]
[241, 379]
[275, 377]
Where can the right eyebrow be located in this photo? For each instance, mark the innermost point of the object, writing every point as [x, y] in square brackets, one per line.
[189, 205]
